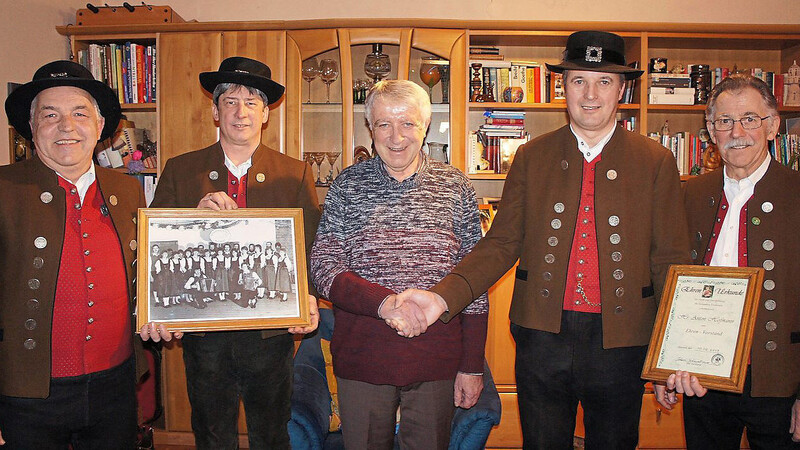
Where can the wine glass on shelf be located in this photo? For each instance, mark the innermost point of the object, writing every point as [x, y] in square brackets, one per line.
[429, 73]
[309, 159]
[332, 157]
[328, 72]
[319, 158]
[310, 71]
[377, 64]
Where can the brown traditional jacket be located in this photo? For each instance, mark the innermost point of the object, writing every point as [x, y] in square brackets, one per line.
[640, 232]
[32, 206]
[773, 242]
[286, 183]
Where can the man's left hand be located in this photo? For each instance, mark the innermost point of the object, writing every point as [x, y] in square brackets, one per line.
[313, 316]
[467, 390]
[157, 332]
[795, 428]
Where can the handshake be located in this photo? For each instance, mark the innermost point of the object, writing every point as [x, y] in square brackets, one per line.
[412, 311]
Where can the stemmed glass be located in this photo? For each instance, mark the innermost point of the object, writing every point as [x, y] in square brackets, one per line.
[377, 64]
[309, 159]
[328, 72]
[319, 158]
[310, 71]
[429, 73]
[332, 157]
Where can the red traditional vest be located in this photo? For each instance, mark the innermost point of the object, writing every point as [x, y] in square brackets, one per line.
[91, 318]
[712, 243]
[583, 274]
[237, 189]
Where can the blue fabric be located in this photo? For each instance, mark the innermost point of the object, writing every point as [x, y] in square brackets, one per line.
[311, 402]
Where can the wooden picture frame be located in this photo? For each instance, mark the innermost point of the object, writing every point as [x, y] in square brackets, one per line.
[188, 293]
[486, 212]
[705, 325]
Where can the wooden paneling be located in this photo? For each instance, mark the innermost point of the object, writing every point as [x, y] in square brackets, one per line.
[186, 122]
[268, 47]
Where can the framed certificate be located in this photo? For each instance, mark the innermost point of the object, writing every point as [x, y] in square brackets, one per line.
[204, 270]
[705, 325]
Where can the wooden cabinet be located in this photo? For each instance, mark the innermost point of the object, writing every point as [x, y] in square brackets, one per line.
[182, 118]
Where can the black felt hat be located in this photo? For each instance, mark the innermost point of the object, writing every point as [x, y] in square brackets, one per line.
[244, 71]
[61, 73]
[595, 51]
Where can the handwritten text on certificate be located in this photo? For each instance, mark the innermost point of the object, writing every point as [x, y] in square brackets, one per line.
[703, 325]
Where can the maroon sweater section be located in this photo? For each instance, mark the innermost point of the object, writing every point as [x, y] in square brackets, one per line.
[364, 348]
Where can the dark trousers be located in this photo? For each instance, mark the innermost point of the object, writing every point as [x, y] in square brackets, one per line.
[93, 411]
[221, 367]
[369, 413]
[556, 371]
[716, 421]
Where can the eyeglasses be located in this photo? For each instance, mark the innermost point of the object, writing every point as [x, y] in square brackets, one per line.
[747, 122]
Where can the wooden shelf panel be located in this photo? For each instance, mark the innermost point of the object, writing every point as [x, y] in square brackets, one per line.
[144, 107]
[562, 106]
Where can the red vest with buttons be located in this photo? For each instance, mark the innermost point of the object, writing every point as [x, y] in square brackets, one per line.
[237, 189]
[712, 242]
[91, 317]
[583, 260]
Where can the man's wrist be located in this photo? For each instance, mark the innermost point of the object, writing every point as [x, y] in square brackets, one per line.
[380, 307]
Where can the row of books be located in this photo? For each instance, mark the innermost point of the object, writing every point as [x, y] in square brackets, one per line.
[687, 149]
[129, 69]
[526, 82]
[518, 82]
[677, 88]
[786, 150]
[492, 147]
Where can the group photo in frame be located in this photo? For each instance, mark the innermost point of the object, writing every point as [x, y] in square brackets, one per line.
[204, 270]
[705, 325]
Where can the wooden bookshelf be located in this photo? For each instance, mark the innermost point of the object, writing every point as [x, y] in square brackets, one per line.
[182, 119]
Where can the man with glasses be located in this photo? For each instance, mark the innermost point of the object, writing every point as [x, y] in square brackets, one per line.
[746, 215]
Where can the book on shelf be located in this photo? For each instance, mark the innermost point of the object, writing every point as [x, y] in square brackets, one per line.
[127, 68]
[492, 147]
[484, 49]
[671, 99]
[785, 149]
[686, 148]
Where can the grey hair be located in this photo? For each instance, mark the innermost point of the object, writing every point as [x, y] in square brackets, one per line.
[403, 92]
[736, 83]
[225, 87]
[35, 101]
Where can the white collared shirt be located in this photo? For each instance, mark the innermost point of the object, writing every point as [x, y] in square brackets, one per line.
[737, 192]
[240, 170]
[83, 182]
[590, 153]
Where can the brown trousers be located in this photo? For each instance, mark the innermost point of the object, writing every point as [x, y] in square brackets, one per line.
[369, 415]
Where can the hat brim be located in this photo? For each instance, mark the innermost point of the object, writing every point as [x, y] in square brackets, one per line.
[18, 103]
[273, 90]
[630, 73]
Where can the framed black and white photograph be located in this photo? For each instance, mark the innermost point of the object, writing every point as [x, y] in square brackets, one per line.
[203, 270]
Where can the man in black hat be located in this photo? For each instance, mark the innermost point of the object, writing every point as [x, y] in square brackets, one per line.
[68, 240]
[593, 213]
[236, 172]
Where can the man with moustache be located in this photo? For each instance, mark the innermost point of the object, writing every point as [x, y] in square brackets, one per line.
[593, 214]
[746, 215]
[68, 360]
[238, 172]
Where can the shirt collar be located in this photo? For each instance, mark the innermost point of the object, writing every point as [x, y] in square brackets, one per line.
[590, 153]
[750, 180]
[83, 182]
[240, 170]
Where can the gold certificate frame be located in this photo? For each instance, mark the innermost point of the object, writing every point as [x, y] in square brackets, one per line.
[204, 270]
[705, 325]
